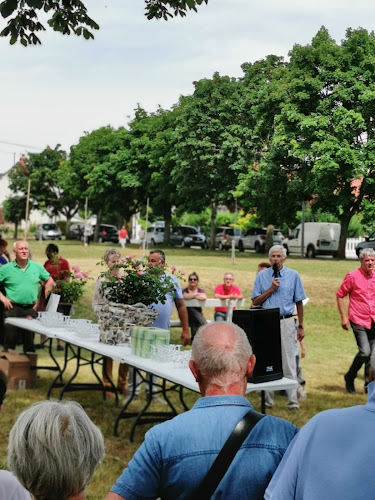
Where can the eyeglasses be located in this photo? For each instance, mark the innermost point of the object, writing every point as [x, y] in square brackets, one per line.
[193, 279]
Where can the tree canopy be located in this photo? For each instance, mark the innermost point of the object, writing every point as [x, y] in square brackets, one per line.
[71, 17]
[285, 133]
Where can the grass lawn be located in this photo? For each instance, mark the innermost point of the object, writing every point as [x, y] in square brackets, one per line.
[329, 348]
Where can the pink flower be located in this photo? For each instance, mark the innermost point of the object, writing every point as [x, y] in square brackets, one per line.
[118, 281]
[76, 269]
[183, 273]
[173, 268]
[78, 276]
[140, 273]
[29, 317]
[85, 275]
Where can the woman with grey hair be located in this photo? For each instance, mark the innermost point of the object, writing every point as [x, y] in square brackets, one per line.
[54, 449]
[111, 259]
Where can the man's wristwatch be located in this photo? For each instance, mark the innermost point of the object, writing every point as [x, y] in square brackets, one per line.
[300, 326]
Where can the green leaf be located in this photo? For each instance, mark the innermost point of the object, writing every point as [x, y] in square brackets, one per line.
[36, 4]
[7, 7]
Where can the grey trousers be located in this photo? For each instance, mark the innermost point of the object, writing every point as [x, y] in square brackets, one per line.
[288, 358]
[365, 339]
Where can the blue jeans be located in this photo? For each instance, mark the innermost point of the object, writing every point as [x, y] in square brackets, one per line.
[220, 316]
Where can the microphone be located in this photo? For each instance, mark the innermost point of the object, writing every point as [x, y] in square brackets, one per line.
[275, 270]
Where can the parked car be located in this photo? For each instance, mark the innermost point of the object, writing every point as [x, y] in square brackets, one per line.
[321, 238]
[76, 231]
[224, 236]
[255, 239]
[155, 234]
[48, 232]
[187, 236]
[369, 242]
[107, 232]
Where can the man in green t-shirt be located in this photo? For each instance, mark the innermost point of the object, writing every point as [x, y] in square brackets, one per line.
[21, 280]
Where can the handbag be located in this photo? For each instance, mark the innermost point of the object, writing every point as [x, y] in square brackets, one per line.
[226, 455]
[42, 300]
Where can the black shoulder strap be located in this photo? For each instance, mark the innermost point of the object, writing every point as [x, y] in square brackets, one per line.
[226, 455]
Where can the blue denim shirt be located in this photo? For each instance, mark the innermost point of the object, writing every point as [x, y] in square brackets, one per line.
[165, 310]
[177, 454]
[289, 292]
[331, 458]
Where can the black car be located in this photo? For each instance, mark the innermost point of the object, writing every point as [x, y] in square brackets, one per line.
[369, 242]
[187, 236]
[106, 233]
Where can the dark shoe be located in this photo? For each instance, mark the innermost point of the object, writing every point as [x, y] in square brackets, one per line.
[60, 348]
[39, 346]
[349, 384]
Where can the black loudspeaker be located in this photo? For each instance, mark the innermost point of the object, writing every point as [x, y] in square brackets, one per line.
[262, 327]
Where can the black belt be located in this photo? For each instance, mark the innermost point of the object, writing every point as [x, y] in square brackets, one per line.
[286, 316]
[23, 306]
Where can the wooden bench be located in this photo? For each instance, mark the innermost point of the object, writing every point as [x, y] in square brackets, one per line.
[230, 304]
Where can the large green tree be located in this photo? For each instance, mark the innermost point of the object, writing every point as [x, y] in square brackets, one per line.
[322, 147]
[70, 16]
[108, 174]
[14, 209]
[153, 150]
[212, 144]
[54, 187]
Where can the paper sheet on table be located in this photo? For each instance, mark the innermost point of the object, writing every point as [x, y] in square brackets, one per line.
[53, 302]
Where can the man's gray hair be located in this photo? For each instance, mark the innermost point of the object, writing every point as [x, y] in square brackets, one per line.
[20, 241]
[277, 248]
[366, 251]
[223, 362]
[54, 448]
[109, 252]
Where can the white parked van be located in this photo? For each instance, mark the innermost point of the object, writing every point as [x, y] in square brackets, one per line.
[321, 238]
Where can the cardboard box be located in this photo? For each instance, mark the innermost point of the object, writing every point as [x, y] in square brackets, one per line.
[18, 369]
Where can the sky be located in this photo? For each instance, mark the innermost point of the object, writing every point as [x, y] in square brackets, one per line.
[54, 93]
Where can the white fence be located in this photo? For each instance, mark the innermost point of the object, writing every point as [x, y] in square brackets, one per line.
[351, 243]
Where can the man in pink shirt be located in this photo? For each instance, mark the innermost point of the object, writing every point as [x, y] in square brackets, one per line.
[360, 286]
[226, 291]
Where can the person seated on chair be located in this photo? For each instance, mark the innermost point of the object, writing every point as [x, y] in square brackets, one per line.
[195, 316]
[54, 449]
[111, 259]
[59, 269]
[177, 454]
[226, 291]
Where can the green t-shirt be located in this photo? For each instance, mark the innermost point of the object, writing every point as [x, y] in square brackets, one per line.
[21, 286]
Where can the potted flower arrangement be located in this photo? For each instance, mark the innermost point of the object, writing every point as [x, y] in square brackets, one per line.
[128, 297]
[71, 289]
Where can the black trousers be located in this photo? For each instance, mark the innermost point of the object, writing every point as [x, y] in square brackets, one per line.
[196, 320]
[11, 332]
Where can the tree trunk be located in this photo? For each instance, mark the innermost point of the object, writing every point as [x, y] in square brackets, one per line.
[15, 230]
[167, 224]
[269, 238]
[344, 221]
[213, 225]
[98, 222]
[68, 224]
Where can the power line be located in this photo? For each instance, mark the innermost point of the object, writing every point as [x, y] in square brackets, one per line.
[19, 145]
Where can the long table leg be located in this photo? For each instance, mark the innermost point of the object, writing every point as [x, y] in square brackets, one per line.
[54, 383]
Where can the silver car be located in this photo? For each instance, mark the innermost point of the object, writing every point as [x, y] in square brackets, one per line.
[255, 239]
[48, 232]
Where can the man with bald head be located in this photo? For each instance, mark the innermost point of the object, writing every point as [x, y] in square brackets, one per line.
[21, 282]
[176, 455]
